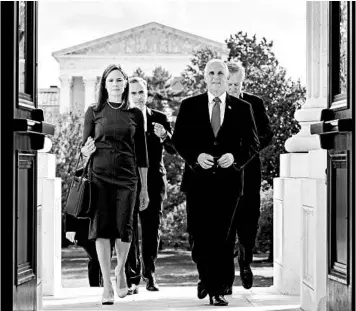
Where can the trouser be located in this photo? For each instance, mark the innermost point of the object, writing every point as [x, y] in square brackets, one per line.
[208, 238]
[94, 273]
[246, 227]
[211, 259]
[150, 221]
[133, 262]
[248, 214]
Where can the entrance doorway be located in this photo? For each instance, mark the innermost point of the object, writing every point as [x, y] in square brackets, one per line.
[20, 142]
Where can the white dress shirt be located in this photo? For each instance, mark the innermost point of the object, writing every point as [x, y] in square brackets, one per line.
[144, 112]
[222, 105]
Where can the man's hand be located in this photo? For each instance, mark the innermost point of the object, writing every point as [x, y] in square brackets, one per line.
[205, 160]
[159, 130]
[226, 160]
[89, 147]
[144, 200]
[70, 236]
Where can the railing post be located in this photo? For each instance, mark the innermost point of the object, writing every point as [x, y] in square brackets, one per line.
[49, 226]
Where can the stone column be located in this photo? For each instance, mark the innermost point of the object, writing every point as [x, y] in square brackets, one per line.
[317, 65]
[65, 93]
[314, 209]
[89, 85]
[300, 192]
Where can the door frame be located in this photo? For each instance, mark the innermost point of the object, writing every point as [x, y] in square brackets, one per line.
[10, 105]
[8, 91]
[341, 278]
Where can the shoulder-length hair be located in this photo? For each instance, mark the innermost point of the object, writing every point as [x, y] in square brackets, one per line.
[103, 93]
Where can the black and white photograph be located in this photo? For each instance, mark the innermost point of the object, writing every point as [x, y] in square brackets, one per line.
[177, 155]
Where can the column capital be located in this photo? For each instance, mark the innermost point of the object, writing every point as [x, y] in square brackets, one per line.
[89, 80]
[66, 80]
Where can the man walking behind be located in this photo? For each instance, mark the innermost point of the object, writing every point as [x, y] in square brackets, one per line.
[248, 211]
[158, 136]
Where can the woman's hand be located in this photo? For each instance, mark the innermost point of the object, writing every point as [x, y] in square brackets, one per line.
[144, 200]
[89, 147]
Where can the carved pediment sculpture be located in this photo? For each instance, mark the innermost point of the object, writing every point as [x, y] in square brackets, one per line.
[152, 38]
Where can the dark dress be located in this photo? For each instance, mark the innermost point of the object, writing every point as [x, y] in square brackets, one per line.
[120, 148]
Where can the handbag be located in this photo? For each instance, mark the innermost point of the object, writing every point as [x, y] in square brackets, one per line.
[79, 197]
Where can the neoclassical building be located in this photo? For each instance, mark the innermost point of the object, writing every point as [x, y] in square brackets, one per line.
[48, 101]
[147, 46]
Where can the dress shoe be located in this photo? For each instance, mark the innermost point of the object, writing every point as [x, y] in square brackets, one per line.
[228, 290]
[202, 292]
[246, 275]
[151, 284]
[133, 290]
[218, 300]
[108, 297]
[121, 291]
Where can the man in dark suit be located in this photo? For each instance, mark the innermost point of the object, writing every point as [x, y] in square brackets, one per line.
[248, 212]
[216, 135]
[158, 136]
[77, 232]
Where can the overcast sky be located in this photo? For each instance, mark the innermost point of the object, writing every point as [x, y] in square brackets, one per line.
[63, 24]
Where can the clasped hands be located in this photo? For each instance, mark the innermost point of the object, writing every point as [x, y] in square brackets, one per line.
[206, 161]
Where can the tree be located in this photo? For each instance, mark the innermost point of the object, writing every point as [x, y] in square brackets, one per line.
[250, 52]
[159, 79]
[193, 75]
[157, 82]
[139, 73]
[282, 96]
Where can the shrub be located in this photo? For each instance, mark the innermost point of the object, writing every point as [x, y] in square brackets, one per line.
[66, 142]
[174, 226]
[264, 239]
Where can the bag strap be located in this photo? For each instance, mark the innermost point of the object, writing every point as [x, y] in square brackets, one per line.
[85, 169]
[80, 157]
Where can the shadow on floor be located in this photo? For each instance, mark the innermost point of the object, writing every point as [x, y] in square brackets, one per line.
[174, 268]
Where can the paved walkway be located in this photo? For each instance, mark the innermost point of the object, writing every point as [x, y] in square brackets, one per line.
[177, 276]
[181, 298]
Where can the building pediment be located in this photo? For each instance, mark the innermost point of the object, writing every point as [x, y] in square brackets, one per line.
[151, 38]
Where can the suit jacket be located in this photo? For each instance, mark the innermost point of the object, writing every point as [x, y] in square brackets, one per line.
[252, 171]
[193, 135]
[156, 176]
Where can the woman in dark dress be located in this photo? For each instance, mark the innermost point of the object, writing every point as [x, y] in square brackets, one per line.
[114, 134]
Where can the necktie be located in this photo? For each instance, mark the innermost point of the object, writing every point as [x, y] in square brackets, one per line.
[215, 116]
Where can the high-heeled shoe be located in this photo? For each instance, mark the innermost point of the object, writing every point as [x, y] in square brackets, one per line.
[108, 300]
[121, 292]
